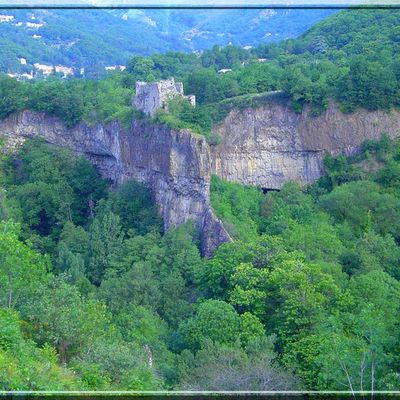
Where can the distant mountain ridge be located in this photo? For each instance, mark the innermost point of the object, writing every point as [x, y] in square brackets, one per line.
[92, 38]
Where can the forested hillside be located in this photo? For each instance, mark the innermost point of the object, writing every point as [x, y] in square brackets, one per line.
[94, 39]
[95, 295]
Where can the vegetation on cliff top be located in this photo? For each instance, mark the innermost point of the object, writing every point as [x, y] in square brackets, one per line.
[72, 101]
[352, 57]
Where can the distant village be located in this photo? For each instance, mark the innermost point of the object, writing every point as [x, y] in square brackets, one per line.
[61, 70]
[33, 69]
[38, 69]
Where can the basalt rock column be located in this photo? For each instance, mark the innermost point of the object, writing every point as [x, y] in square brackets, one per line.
[175, 164]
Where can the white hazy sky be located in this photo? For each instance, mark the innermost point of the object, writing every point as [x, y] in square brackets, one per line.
[177, 3]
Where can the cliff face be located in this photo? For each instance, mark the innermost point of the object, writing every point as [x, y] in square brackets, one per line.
[270, 145]
[265, 146]
[174, 164]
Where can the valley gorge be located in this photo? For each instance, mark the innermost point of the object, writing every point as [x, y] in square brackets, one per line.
[264, 146]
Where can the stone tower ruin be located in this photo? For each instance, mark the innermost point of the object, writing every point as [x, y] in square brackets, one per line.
[154, 96]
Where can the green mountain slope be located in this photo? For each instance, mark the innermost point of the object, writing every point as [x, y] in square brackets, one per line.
[83, 38]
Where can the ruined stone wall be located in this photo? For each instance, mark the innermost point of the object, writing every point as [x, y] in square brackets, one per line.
[153, 96]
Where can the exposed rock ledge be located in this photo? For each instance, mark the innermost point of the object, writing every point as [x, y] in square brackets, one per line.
[269, 145]
[175, 164]
[265, 146]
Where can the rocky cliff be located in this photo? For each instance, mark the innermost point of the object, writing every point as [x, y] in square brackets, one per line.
[271, 144]
[174, 164]
[265, 146]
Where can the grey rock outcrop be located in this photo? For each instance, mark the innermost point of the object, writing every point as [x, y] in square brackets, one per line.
[174, 164]
[269, 145]
[265, 146]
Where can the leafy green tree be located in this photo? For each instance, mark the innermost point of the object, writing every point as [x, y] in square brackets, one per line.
[88, 189]
[23, 272]
[358, 357]
[24, 365]
[218, 367]
[357, 202]
[134, 204]
[121, 363]
[66, 321]
[105, 241]
[52, 187]
[12, 94]
[74, 238]
[237, 206]
[56, 98]
[206, 85]
[300, 297]
[368, 83]
[215, 320]
[8, 207]
[249, 292]
[318, 241]
[214, 277]
[140, 67]
[251, 329]
[137, 285]
[176, 273]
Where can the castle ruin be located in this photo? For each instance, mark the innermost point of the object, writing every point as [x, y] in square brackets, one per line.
[153, 96]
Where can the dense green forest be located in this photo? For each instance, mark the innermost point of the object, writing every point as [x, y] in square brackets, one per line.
[95, 295]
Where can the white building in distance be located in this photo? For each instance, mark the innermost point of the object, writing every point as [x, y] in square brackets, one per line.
[34, 25]
[6, 18]
[224, 70]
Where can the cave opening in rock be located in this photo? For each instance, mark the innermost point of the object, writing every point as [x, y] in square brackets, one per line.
[267, 190]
